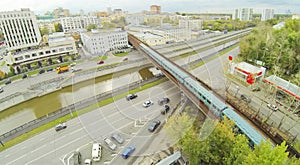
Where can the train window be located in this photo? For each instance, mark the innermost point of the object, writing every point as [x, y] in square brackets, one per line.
[208, 102]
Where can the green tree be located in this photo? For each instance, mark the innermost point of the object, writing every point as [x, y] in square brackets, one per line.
[91, 26]
[265, 153]
[1, 36]
[58, 27]
[44, 31]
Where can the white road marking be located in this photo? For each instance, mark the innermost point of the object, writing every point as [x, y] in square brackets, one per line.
[70, 158]
[76, 131]
[38, 148]
[55, 150]
[7, 155]
[41, 139]
[16, 159]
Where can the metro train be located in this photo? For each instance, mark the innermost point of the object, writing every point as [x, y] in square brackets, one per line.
[217, 106]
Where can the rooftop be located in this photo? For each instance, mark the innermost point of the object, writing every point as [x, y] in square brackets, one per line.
[284, 85]
[248, 68]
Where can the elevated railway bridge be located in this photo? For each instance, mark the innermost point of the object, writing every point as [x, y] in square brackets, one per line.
[199, 93]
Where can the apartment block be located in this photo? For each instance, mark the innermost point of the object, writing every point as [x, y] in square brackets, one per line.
[243, 14]
[267, 14]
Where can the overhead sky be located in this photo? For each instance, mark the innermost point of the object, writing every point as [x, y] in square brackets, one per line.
[133, 6]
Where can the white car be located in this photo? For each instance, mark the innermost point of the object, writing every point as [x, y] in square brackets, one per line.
[1, 89]
[88, 162]
[273, 107]
[110, 144]
[147, 103]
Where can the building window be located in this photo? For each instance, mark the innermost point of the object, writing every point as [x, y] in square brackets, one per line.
[34, 54]
[41, 53]
[27, 56]
[48, 52]
[69, 48]
[61, 49]
[53, 51]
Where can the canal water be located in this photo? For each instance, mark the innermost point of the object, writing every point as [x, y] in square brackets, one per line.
[40, 106]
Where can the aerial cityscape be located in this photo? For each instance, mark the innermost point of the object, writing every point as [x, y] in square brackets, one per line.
[139, 83]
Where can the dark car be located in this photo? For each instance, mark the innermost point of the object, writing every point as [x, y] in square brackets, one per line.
[165, 110]
[77, 158]
[49, 69]
[128, 151]
[117, 138]
[8, 81]
[163, 101]
[131, 96]
[24, 76]
[41, 71]
[154, 125]
[100, 62]
[245, 98]
[60, 126]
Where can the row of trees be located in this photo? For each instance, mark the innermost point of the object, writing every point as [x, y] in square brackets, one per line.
[230, 25]
[278, 49]
[216, 143]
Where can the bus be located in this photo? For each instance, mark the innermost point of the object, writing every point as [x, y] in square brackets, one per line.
[96, 151]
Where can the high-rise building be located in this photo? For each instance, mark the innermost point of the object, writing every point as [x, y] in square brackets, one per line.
[78, 23]
[155, 9]
[244, 14]
[267, 14]
[20, 29]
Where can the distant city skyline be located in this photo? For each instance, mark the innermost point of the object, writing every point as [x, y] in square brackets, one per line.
[133, 6]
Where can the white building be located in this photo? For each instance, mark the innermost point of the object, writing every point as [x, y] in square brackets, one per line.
[296, 16]
[99, 42]
[169, 34]
[267, 14]
[78, 23]
[193, 24]
[59, 45]
[48, 24]
[243, 14]
[20, 29]
[149, 38]
[135, 19]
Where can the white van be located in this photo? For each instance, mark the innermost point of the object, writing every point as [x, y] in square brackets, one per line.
[96, 151]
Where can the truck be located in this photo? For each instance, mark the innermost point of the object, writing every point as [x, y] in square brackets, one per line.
[61, 69]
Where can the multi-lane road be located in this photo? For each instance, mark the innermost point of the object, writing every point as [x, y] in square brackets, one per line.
[128, 118]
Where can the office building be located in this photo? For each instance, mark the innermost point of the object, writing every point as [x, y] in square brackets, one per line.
[193, 24]
[70, 24]
[99, 42]
[243, 14]
[267, 14]
[20, 30]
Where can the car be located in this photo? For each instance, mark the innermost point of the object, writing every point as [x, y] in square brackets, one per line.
[152, 127]
[245, 98]
[110, 144]
[24, 76]
[60, 126]
[125, 59]
[49, 69]
[128, 151]
[147, 103]
[254, 89]
[165, 110]
[1, 90]
[163, 101]
[131, 96]
[41, 71]
[100, 62]
[117, 138]
[77, 158]
[273, 107]
[87, 161]
[8, 81]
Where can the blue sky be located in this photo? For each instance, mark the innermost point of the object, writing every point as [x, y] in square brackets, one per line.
[133, 6]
